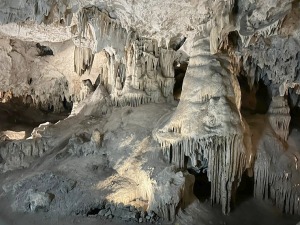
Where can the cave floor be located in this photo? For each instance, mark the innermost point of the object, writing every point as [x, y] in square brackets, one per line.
[124, 122]
[250, 212]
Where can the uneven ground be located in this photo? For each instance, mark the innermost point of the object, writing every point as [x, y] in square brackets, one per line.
[249, 212]
[148, 111]
[126, 127]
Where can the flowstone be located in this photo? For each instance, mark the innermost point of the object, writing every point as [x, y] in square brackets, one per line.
[131, 95]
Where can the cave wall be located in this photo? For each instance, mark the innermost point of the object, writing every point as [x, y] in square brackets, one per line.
[107, 55]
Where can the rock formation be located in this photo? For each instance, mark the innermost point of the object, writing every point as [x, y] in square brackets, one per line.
[107, 106]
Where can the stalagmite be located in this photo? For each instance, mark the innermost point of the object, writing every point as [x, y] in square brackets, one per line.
[214, 136]
[178, 186]
[115, 142]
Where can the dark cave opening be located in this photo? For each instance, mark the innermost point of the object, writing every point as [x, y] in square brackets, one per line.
[263, 98]
[244, 191]
[67, 105]
[202, 187]
[234, 39]
[256, 99]
[179, 74]
[294, 104]
[64, 107]
[18, 117]
[295, 118]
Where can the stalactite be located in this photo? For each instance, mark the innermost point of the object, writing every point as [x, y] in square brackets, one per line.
[279, 116]
[136, 72]
[83, 60]
[226, 162]
[167, 56]
[281, 182]
[41, 11]
[279, 64]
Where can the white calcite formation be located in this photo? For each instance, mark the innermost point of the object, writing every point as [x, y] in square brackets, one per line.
[276, 170]
[28, 74]
[171, 191]
[136, 70]
[127, 141]
[279, 63]
[279, 116]
[216, 132]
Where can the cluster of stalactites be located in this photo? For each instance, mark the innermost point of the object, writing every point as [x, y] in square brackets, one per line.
[226, 162]
[277, 187]
[213, 137]
[97, 30]
[285, 194]
[280, 185]
[146, 75]
[136, 70]
[42, 11]
[279, 64]
[54, 102]
[83, 60]
[133, 100]
[279, 116]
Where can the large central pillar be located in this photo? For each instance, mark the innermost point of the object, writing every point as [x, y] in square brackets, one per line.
[207, 126]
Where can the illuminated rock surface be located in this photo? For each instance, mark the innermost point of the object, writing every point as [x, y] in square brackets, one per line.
[145, 111]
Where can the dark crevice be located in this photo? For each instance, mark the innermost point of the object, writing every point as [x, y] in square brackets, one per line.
[44, 50]
[180, 70]
[67, 105]
[88, 83]
[295, 118]
[233, 16]
[176, 42]
[50, 108]
[245, 190]
[93, 211]
[29, 81]
[202, 187]
[171, 154]
[263, 98]
[234, 40]
[256, 99]
[294, 104]
[235, 9]
[178, 46]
